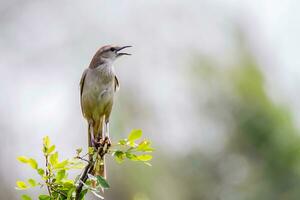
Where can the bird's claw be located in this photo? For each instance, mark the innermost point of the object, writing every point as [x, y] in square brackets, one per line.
[105, 141]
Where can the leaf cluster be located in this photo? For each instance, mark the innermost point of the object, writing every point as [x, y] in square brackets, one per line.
[54, 172]
[130, 148]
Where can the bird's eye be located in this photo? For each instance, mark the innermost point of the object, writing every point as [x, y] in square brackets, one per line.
[112, 49]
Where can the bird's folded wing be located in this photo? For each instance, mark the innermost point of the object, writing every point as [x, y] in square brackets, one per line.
[82, 85]
[117, 84]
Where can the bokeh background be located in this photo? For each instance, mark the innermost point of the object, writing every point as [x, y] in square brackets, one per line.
[213, 83]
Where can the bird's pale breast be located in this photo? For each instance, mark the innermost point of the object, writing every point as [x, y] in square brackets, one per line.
[97, 94]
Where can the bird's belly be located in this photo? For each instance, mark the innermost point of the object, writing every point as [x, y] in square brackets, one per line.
[95, 100]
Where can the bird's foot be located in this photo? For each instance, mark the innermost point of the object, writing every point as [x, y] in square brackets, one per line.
[105, 143]
[95, 143]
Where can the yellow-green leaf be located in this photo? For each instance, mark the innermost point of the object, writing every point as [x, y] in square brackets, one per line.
[32, 182]
[61, 164]
[44, 197]
[135, 134]
[23, 159]
[54, 158]
[46, 141]
[21, 185]
[60, 175]
[50, 149]
[25, 197]
[131, 156]
[33, 163]
[144, 157]
[40, 171]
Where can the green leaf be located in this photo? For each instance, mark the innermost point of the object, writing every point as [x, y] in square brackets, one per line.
[83, 193]
[122, 142]
[68, 184]
[71, 194]
[145, 157]
[44, 197]
[50, 149]
[60, 175]
[25, 197]
[21, 185]
[102, 182]
[135, 134]
[119, 156]
[145, 146]
[41, 171]
[46, 142]
[61, 165]
[33, 163]
[23, 159]
[131, 156]
[32, 182]
[54, 158]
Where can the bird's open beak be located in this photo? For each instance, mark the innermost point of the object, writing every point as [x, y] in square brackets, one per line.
[122, 54]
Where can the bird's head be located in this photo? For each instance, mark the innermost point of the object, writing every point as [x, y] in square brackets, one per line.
[107, 54]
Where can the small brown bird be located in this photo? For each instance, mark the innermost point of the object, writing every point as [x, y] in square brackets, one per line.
[97, 88]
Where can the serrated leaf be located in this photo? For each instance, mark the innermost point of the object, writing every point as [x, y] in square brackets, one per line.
[102, 182]
[144, 157]
[53, 158]
[32, 182]
[50, 149]
[60, 165]
[23, 159]
[33, 163]
[21, 185]
[44, 197]
[135, 134]
[60, 175]
[25, 197]
[41, 171]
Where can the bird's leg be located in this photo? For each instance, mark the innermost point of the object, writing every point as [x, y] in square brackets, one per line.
[107, 138]
[93, 143]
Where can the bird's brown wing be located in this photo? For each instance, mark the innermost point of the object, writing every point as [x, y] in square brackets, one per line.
[117, 84]
[82, 85]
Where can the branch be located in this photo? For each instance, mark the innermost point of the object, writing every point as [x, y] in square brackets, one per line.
[101, 150]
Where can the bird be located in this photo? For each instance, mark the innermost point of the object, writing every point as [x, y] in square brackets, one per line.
[98, 86]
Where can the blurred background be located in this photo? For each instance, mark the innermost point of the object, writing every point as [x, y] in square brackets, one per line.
[213, 83]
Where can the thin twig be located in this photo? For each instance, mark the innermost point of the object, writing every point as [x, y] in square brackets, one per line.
[81, 158]
[48, 175]
[58, 191]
